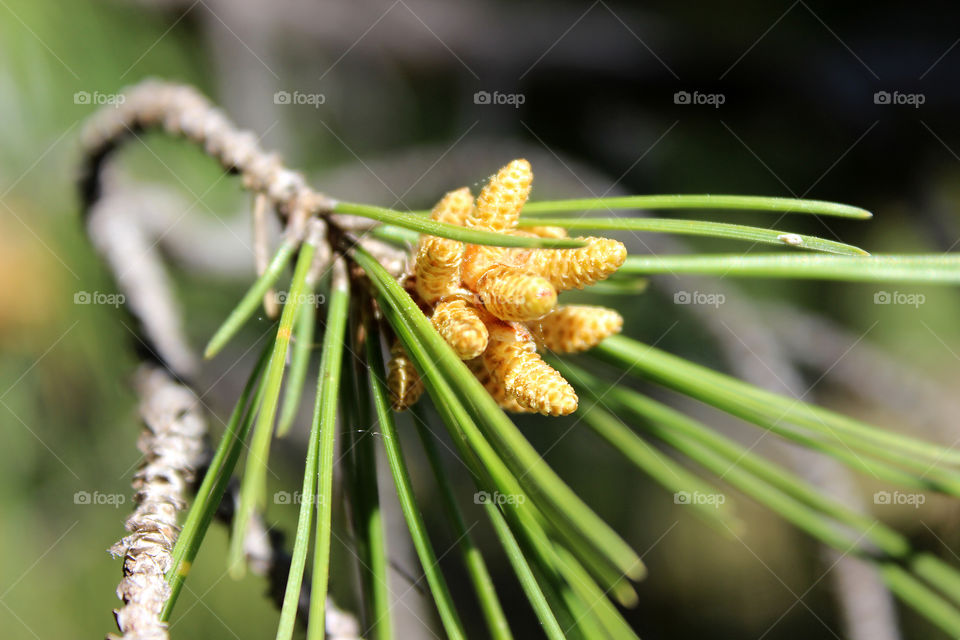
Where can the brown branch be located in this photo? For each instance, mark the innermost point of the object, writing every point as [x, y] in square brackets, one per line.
[172, 444]
[173, 441]
[183, 112]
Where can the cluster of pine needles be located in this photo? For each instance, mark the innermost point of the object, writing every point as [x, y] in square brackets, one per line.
[465, 324]
[475, 322]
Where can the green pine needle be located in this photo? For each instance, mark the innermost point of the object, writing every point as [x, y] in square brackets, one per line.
[700, 228]
[528, 581]
[667, 473]
[491, 475]
[559, 501]
[250, 301]
[540, 572]
[480, 578]
[401, 479]
[324, 421]
[299, 363]
[422, 224]
[795, 500]
[938, 268]
[301, 543]
[253, 485]
[363, 490]
[706, 201]
[597, 600]
[765, 408]
[214, 484]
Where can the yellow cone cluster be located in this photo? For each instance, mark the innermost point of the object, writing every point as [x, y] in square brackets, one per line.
[495, 307]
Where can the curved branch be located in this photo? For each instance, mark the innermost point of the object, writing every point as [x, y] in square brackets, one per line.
[182, 111]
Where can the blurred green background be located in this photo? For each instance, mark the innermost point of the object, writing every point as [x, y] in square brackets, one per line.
[399, 123]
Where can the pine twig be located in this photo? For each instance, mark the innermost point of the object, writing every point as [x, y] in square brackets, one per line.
[261, 250]
[182, 111]
[172, 444]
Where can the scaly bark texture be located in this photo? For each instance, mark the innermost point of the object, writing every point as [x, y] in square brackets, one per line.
[172, 445]
[183, 111]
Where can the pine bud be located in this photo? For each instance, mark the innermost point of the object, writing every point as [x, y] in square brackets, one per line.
[495, 388]
[438, 267]
[572, 328]
[513, 294]
[548, 232]
[500, 201]
[461, 326]
[512, 359]
[574, 268]
[403, 381]
[477, 259]
[454, 208]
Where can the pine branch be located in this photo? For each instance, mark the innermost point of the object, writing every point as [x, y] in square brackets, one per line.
[172, 444]
[182, 111]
